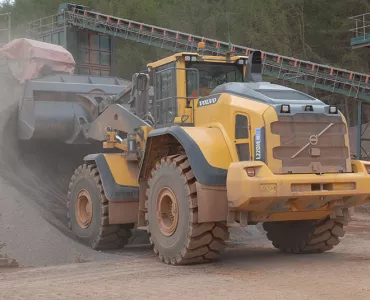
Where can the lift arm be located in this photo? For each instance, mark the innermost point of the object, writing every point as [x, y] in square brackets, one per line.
[116, 117]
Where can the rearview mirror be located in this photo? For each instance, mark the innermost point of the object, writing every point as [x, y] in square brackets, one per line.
[142, 82]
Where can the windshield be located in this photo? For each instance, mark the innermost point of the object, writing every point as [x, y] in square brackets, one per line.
[211, 75]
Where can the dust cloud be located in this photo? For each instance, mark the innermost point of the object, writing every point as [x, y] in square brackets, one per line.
[34, 179]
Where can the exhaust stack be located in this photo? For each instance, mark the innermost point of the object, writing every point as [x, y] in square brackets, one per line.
[254, 67]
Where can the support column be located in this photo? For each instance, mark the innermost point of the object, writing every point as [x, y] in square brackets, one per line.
[9, 27]
[359, 128]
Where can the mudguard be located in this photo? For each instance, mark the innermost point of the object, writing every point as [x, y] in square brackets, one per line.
[206, 148]
[118, 176]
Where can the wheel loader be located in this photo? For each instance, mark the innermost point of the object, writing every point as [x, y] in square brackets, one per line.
[194, 145]
[217, 147]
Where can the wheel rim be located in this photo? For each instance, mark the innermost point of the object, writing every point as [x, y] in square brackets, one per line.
[84, 209]
[167, 211]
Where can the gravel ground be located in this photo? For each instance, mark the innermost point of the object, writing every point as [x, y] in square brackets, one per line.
[250, 270]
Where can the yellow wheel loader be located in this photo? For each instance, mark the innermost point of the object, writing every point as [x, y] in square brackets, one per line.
[216, 147]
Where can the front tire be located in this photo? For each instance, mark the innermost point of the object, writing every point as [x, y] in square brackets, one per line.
[88, 212]
[172, 216]
[307, 236]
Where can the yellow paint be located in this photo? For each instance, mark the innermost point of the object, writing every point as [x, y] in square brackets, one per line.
[218, 116]
[201, 45]
[123, 172]
[268, 196]
[264, 191]
[217, 154]
[288, 216]
[346, 141]
[181, 93]
[205, 58]
[272, 140]
[184, 111]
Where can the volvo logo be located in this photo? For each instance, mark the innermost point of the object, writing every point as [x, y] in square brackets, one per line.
[314, 139]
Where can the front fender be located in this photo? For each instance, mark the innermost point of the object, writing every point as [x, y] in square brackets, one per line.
[206, 148]
[118, 177]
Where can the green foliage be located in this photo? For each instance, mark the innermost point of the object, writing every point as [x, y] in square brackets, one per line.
[316, 30]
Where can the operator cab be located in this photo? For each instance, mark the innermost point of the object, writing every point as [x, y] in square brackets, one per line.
[211, 75]
[181, 79]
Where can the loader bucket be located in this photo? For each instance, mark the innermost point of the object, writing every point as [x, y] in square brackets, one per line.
[54, 108]
[42, 110]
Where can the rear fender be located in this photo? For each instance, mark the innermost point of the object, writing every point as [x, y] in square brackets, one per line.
[209, 158]
[206, 149]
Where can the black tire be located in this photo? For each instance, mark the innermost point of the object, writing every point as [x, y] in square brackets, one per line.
[99, 234]
[190, 242]
[307, 236]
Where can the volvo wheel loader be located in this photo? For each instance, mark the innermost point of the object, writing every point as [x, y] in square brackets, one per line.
[209, 147]
[222, 148]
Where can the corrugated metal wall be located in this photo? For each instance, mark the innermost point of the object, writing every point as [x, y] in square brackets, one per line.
[93, 52]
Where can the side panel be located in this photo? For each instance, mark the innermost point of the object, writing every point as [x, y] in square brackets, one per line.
[118, 176]
[212, 144]
[272, 140]
[220, 110]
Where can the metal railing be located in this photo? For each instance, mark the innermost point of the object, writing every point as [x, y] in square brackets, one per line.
[361, 31]
[5, 29]
[331, 79]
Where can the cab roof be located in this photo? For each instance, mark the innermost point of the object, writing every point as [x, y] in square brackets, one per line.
[266, 92]
[203, 58]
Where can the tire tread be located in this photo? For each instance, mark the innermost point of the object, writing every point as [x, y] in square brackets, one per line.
[206, 240]
[315, 237]
[110, 236]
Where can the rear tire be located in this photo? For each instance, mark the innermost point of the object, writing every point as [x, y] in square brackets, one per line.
[307, 236]
[91, 225]
[172, 216]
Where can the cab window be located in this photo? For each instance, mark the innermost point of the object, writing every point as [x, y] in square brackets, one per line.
[165, 94]
[212, 75]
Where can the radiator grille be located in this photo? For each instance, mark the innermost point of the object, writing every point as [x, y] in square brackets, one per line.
[243, 152]
[324, 154]
[241, 127]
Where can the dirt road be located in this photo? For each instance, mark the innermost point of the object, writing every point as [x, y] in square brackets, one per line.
[248, 270]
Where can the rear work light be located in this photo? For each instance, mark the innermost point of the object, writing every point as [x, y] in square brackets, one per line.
[308, 108]
[368, 169]
[333, 109]
[285, 108]
[190, 58]
[251, 172]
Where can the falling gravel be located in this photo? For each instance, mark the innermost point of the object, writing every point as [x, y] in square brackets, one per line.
[33, 228]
